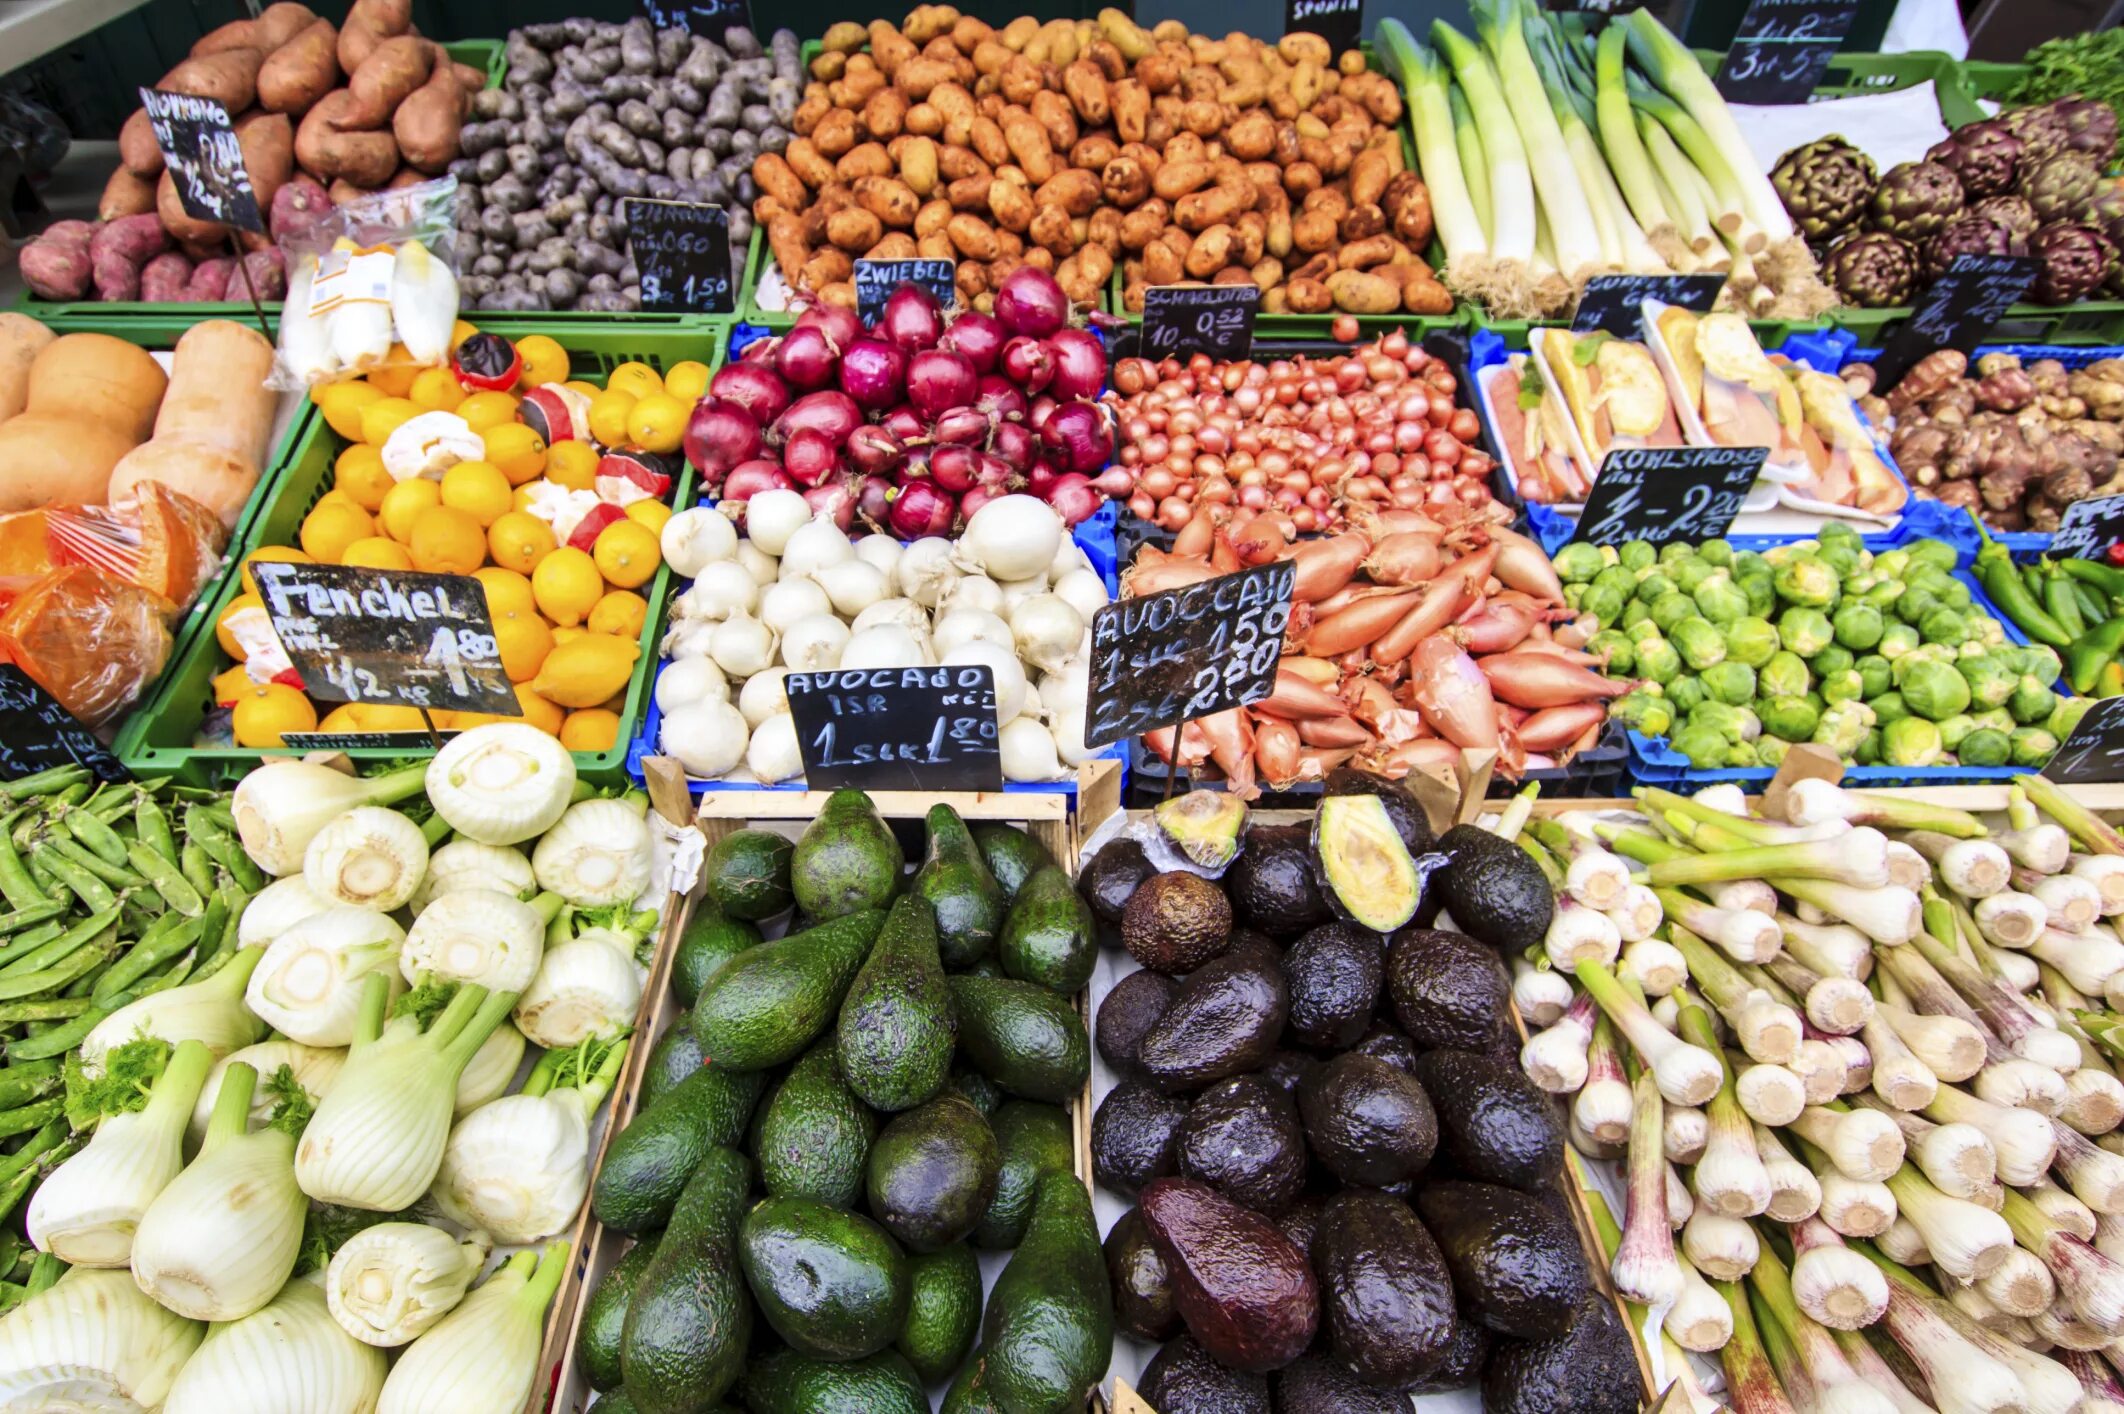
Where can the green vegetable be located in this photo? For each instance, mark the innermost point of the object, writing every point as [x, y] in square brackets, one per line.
[1603, 601]
[1842, 726]
[1578, 562]
[1691, 574]
[1643, 713]
[1888, 707]
[1833, 659]
[1985, 747]
[1670, 609]
[1770, 751]
[1897, 640]
[1793, 718]
[1911, 741]
[1935, 691]
[1873, 671]
[2088, 64]
[1719, 599]
[1955, 728]
[1945, 625]
[1751, 640]
[1937, 554]
[1638, 554]
[1621, 652]
[1731, 683]
[1858, 626]
[1805, 631]
[1718, 552]
[1843, 686]
[1653, 585]
[1784, 676]
[1704, 747]
[2041, 662]
[1990, 677]
[2066, 717]
[2032, 746]
[1699, 644]
[1808, 581]
[1657, 660]
[2032, 702]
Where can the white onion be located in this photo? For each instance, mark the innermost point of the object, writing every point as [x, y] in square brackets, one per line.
[1071, 687]
[688, 638]
[1046, 629]
[772, 517]
[958, 627]
[1012, 538]
[1067, 729]
[763, 696]
[724, 588]
[886, 646]
[926, 571]
[974, 591]
[690, 680]
[881, 552]
[762, 566]
[772, 755]
[1032, 706]
[1068, 559]
[694, 539]
[853, 585]
[1084, 591]
[816, 544]
[782, 604]
[707, 738]
[814, 643]
[904, 612]
[1017, 591]
[742, 646]
[1028, 752]
[1010, 677]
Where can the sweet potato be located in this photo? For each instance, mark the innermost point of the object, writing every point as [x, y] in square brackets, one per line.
[298, 206]
[125, 195]
[56, 264]
[368, 24]
[138, 152]
[329, 147]
[230, 78]
[393, 70]
[427, 122]
[300, 72]
[162, 280]
[117, 252]
[268, 273]
[210, 282]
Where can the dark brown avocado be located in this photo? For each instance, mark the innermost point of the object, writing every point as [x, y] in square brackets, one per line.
[1463, 1361]
[1225, 1020]
[1387, 1043]
[1130, 1009]
[1493, 1124]
[1287, 1070]
[1367, 1122]
[1301, 1219]
[1143, 1290]
[1111, 875]
[1246, 1293]
[1333, 973]
[1516, 1261]
[1175, 922]
[1494, 889]
[1384, 1294]
[1241, 1137]
[1589, 1368]
[1271, 883]
[1182, 1378]
[1318, 1385]
[1447, 989]
[1135, 1136]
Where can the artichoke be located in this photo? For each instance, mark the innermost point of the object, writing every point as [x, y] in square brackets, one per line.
[1873, 269]
[1915, 199]
[2075, 261]
[2014, 214]
[1984, 156]
[1966, 234]
[2061, 187]
[2041, 129]
[1825, 184]
[2090, 125]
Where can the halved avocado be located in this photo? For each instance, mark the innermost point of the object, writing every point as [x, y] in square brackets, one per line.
[1364, 867]
[1204, 825]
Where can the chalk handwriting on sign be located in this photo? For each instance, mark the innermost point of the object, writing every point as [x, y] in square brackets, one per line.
[1614, 303]
[875, 280]
[710, 19]
[1783, 49]
[1187, 653]
[928, 728]
[204, 158]
[1339, 22]
[1956, 311]
[1668, 493]
[682, 252]
[2094, 753]
[37, 734]
[399, 637]
[1218, 320]
[409, 742]
[2088, 528]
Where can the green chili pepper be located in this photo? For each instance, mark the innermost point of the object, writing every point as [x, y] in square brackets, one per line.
[2064, 605]
[2086, 655]
[2002, 581]
[2108, 579]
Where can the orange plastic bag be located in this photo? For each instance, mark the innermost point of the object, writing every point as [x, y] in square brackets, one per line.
[92, 640]
[161, 540]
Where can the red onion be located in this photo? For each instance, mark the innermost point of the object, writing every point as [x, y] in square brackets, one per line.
[1030, 302]
[810, 457]
[755, 387]
[1080, 364]
[1029, 363]
[999, 397]
[912, 320]
[836, 500]
[1041, 478]
[1014, 444]
[1043, 407]
[1074, 498]
[832, 413]
[761, 351]
[997, 474]
[1078, 437]
[805, 357]
[978, 336]
[873, 449]
[719, 435]
[839, 323]
[873, 498]
[749, 479]
[921, 509]
[966, 425]
[955, 468]
[874, 373]
[975, 499]
[903, 423]
[938, 381]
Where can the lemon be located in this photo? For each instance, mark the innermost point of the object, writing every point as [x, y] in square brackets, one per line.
[524, 641]
[447, 541]
[544, 360]
[636, 378]
[334, 525]
[437, 390]
[687, 381]
[460, 331]
[649, 513]
[573, 465]
[592, 729]
[359, 472]
[608, 415]
[586, 670]
[230, 684]
[569, 634]
[620, 613]
[387, 717]
[377, 552]
[268, 710]
[242, 604]
[405, 503]
[588, 390]
[657, 422]
[346, 717]
[487, 409]
[517, 450]
[567, 585]
[343, 404]
[284, 554]
[626, 553]
[478, 489]
[519, 540]
[385, 416]
[506, 589]
[538, 712]
[396, 375]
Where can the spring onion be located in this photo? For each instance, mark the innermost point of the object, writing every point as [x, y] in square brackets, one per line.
[1687, 1074]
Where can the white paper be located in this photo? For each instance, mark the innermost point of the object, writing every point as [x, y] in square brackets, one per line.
[1888, 127]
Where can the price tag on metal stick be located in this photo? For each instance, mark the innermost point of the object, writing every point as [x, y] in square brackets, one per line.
[204, 158]
[1956, 311]
[2094, 753]
[1782, 49]
[391, 636]
[682, 252]
[1615, 303]
[37, 734]
[1668, 493]
[2088, 528]
[1181, 320]
[1170, 658]
[918, 729]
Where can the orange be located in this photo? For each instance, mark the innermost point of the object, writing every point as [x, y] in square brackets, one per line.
[249, 604]
[505, 588]
[608, 416]
[538, 712]
[592, 729]
[657, 422]
[524, 641]
[396, 375]
[343, 404]
[567, 585]
[359, 471]
[687, 381]
[621, 613]
[447, 541]
[649, 513]
[285, 554]
[519, 540]
[377, 552]
[268, 710]
[517, 450]
[231, 684]
[573, 465]
[384, 416]
[627, 553]
[437, 390]
[636, 378]
[478, 489]
[487, 409]
[404, 504]
[545, 361]
[334, 525]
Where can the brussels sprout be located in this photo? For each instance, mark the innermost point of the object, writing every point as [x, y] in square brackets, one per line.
[1814, 699]
[1762, 594]
[1615, 577]
[1986, 746]
[1718, 552]
[1996, 719]
[1986, 631]
[1770, 751]
[1752, 641]
[1749, 562]
[1888, 707]
[2031, 703]
[1808, 581]
[1892, 564]
[1868, 750]
[1793, 718]
[1991, 680]
[1670, 609]
[1603, 601]
[1643, 713]
[1643, 631]
[1952, 730]
[1743, 757]
[1858, 626]
[1859, 583]
[1699, 644]
[1689, 575]
[1784, 676]
[1916, 601]
[1936, 553]
[1653, 585]
[2066, 717]
[1720, 600]
[1883, 596]
[1910, 741]
[1730, 682]
[1578, 562]
[1705, 748]
[2040, 661]
[1836, 530]
[1843, 686]
[1637, 611]
[1687, 694]
[1839, 555]
[1896, 640]
[1574, 594]
[1805, 631]
[1944, 626]
[2032, 746]
[1657, 660]
[1935, 691]
[1620, 649]
[1873, 670]
[1675, 551]
[1841, 726]
[1955, 595]
[1833, 659]
[1731, 722]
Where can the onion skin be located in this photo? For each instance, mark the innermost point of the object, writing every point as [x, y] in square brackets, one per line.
[1231, 746]
[978, 337]
[1153, 571]
[1028, 363]
[921, 509]
[1495, 627]
[1198, 535]
[1317, 671]
[1444, 600]
[838, 323]
[806, 357]
[1359, 624]
[874, 373]
[1522, 565]
[1449, 689]
[1554, 728]
[1536, 680]
[748, 479]
[939, 380]
[1325, 566]
[1294, 698]
[1276, 752]
[1080, 364]
[1074, 498]
[1031, 302]
[829, 410]
[1333, 731]
[1405, 557]
[1258, 540]
[810, 457]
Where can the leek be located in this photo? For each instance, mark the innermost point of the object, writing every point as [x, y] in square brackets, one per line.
[519, 1167]
[288, 1357]
[92, 1341]
[1625, 152]
[1511, 188]
[1467, 140]
[501, 782]
[482, 1358]
[1456, 212]
[1671, 64]
[391, 1282]
[1570, 214]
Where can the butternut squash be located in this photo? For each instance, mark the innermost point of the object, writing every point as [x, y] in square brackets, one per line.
[91, 399]
[21, 340]
[210, 437]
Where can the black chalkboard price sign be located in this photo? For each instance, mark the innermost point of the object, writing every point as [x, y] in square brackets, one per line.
[1782, 49]
[710, 19]
[205, 161]
[898, 728]
[37, 734]
[1956, 311]
[1339, 22]
[1182, 320]
[400, 637]
[1170, 658]
[1668, 493]
[2094, 753]
[682, 252]
[1613, 302]
[875, 280]
[2088, 528]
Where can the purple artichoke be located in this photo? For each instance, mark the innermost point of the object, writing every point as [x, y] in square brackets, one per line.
[1825, 185]
[2041, 129]
[1915, 199]
[1873, 269]
[1985, 156]
[1966, 234]
[2090, 125]
[2014, 214]
[2075, 262]
[2061, 187]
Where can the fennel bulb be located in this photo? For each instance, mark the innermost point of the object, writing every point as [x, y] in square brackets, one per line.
[491, 1070]
[501, 782]
[377, 1138]
[210, 1012]
[519, 1168]
[276, 908]
[308, 985]
[282, 805]
[219, 1242]
[585, 988]
[390, 1282]
[468, 864]
[312, 1068]
[91, 1341]
[482, 1358]
[288, 1357]
[369, 857]
[479, 935]
[86, 1211]
[598, 852]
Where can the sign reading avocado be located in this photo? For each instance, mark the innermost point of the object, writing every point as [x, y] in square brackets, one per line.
[37, 734]
[2094, 753]
[920, 729]
[1187, 653]
[1668, 493]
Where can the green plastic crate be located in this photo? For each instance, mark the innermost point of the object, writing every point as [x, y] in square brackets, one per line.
[1990, 81]
[157, 740]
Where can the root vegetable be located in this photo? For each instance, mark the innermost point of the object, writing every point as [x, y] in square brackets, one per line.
[301, 71]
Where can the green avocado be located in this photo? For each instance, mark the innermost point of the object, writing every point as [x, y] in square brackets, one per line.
[968, 902]
[814, 1134]
[683, 1342]
[769, 1003]
[746, 874]
[1027, 1039]
[1049, 937]
[846, 861]
[1034, 1140]
[649, 1162]
[833, 1284]
[896, 1029]
[943, 1311]
[933, 1173]
[789, 1382]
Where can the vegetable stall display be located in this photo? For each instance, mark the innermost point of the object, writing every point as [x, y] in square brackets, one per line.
[326, 1197]
[2070, 605]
